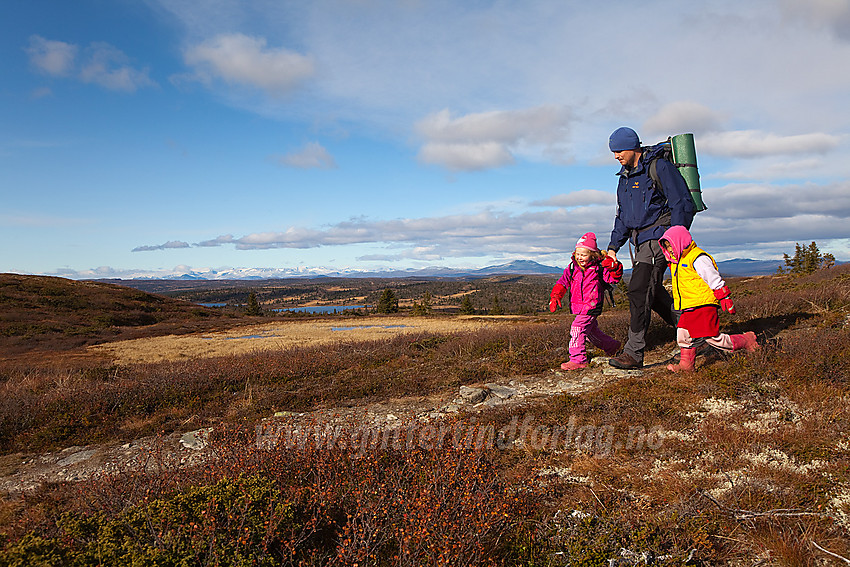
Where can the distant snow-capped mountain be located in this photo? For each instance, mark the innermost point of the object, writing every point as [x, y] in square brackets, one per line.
[729, 268]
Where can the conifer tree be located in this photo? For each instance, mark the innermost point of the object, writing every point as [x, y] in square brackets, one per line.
[388, 302]
[466, 307]
[806, 260]
[424, 308]
[496, 309]
[253, 308]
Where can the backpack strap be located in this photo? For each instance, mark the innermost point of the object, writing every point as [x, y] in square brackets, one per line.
[606, 287]
[653, 171]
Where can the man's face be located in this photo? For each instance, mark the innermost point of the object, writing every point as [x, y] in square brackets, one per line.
[629, 158]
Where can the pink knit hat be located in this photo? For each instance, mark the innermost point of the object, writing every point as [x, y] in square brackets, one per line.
[588, 240]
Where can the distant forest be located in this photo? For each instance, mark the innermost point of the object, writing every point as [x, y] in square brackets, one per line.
[508, 294]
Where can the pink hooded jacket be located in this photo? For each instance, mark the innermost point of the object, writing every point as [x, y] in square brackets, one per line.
[679, 239]
[585, 285]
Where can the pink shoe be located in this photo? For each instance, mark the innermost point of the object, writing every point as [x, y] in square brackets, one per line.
[573, 365]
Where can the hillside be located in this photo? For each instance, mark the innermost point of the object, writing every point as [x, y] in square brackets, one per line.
[462, 445]
[49, 313]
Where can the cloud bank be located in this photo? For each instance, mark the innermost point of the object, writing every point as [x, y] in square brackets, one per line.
[740, 217]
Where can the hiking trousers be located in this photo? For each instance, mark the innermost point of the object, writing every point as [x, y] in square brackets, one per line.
[647, 294]
[586, 328]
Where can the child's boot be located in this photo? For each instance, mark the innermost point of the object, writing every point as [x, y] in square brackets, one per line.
[747, 341]
[687, 356]
[573, 365]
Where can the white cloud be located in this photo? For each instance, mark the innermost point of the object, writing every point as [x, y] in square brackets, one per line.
[244, 60]
[753, 143]
[490, 139]
[107, 66]
[102, 64]
[52, 57]
[311, 156]
[466, 156]
[173, 244]
[831, 14]
[682, 116]
[746, 202]
[579, 198]
[224, 239]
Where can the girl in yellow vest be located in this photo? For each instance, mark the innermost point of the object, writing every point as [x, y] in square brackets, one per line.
[699, 292]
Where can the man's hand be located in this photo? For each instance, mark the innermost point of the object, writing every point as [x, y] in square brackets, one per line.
[611, 254]
[723, 294]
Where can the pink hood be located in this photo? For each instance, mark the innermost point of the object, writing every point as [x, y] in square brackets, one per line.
[679, 239]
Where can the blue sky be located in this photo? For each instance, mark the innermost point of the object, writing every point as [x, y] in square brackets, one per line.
[155, 137]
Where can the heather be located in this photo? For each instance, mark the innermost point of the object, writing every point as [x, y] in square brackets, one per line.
[745, 461]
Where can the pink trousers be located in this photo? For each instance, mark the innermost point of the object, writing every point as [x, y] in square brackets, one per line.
[585, 328]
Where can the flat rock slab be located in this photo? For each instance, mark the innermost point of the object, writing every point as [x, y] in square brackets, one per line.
[503, 392]
[196, 440]
[611, 371]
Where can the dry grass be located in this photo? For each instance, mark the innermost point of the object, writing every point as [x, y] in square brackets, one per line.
[281, 335]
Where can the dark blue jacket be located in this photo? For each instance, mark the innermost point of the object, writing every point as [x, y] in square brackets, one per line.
[640, 205]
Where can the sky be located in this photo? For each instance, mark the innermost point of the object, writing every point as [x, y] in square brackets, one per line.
[158, 137]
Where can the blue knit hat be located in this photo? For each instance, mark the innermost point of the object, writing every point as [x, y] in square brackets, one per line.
[623, 139]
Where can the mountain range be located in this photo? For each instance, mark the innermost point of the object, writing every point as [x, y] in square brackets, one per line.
[735, 267]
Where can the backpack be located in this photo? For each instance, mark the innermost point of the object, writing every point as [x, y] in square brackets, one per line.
[681, 146]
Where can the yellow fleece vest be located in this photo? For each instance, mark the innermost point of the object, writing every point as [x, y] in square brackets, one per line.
[690, 290]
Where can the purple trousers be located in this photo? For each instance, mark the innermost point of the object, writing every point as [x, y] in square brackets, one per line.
[585, 328]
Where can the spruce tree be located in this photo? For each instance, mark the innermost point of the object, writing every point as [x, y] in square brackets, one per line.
[424, 308]
[806, 260]
[497, 307]
[253, 308]
[466, 307]
[388, 302]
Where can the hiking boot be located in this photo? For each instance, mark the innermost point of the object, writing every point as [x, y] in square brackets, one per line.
[573, 365]
[625, 362]
[687, 356]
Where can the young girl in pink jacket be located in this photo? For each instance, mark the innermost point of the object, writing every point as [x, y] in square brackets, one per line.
[584, 279]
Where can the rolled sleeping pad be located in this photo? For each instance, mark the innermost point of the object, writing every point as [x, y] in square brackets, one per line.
[685, 156]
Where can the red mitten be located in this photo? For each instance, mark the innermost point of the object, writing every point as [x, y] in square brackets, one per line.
[725, 301]
[558, 293]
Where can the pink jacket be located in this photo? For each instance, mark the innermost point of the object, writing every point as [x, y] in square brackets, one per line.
[585, 286]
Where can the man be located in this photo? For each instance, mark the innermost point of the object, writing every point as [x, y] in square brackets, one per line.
[644, 211]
